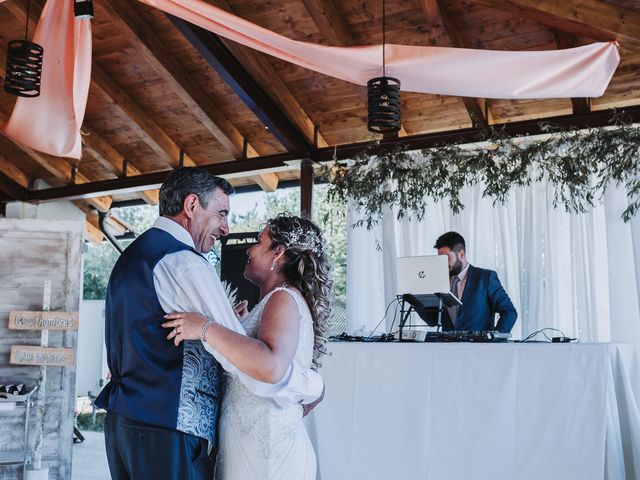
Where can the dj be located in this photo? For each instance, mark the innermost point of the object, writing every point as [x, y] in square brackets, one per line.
[479, 290]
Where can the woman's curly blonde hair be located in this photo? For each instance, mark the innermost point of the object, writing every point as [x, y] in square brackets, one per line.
[306, 266]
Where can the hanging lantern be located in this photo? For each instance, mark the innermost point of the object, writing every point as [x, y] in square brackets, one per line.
[83, 9]
[24, 66]
[383, 95]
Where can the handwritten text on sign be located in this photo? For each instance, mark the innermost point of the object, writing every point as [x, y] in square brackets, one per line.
[43, 320]
[51, 357]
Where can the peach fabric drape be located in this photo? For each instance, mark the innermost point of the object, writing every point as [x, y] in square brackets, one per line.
[576, 72]
[51, 122]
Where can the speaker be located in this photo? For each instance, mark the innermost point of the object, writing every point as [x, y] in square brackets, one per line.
[233, 259]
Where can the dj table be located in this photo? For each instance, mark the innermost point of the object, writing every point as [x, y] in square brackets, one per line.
[449, 411]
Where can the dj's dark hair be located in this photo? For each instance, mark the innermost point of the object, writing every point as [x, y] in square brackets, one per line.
[453, 240]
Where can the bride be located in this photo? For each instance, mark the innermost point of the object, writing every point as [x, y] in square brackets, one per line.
[258, 439]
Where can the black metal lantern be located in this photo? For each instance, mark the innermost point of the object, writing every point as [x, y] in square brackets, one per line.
[383, 96]
[24, 66]
[83, 9]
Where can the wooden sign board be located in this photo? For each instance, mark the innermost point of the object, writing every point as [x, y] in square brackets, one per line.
[43, 320]
[51, 357]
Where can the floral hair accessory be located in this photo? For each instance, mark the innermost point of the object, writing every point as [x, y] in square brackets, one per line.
[304, 240]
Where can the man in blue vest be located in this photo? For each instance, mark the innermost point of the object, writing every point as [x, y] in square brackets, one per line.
[479, 290]
[162, 401]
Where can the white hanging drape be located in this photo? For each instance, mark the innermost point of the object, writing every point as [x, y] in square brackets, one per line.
[579, 273]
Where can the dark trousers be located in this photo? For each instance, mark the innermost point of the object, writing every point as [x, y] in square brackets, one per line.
[137, 451]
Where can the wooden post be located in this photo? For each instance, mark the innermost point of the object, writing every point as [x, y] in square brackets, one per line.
[42, 391]
[306, 187]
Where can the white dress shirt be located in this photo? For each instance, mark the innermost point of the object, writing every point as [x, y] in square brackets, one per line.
[186, 282]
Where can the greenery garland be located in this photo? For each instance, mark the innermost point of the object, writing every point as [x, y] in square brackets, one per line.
[578, 164]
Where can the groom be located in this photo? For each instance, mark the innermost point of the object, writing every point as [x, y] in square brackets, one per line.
[162, 401]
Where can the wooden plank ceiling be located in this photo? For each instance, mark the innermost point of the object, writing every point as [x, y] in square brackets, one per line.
[164, 93]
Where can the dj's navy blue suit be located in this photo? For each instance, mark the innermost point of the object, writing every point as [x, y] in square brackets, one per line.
[482, 298]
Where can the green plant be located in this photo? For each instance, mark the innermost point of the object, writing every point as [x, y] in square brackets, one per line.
[578, 164]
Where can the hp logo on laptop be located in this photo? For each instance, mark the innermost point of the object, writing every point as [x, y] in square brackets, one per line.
[421, 274]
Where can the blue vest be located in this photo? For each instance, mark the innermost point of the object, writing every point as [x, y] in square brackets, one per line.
[152, 380]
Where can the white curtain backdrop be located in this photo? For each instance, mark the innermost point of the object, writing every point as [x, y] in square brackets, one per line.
[579, 273]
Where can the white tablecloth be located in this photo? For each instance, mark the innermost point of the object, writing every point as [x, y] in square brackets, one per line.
[479, 411]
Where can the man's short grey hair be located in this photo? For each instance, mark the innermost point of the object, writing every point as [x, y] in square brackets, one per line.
[185, 181]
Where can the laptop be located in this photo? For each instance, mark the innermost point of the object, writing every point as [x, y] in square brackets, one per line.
[423, 282]
[423, 275]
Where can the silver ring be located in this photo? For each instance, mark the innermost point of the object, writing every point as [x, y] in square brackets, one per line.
[175, 331]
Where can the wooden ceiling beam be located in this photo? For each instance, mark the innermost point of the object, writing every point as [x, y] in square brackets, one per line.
[568, 40]
[333, 27]
[267, 181]
[437, 13]
[218, 56]
[12, 186]
[111, 159]
[266, 75]
[115, 223]
[11, 170]
[93, 233]
[155, 179]
[414, 142]
[144, 126]
[589, 18]
[140, 34]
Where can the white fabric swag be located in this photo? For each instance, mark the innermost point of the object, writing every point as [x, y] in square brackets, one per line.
[576, 272]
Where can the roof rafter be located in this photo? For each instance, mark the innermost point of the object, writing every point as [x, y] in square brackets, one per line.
[140, 34]
[142, 123]
[264, 73]
[236, 76]
[590, 18]
[110, 158]
[436, 12]
[14, 184]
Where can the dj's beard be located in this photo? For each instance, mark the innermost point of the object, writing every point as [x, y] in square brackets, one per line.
[456, 268]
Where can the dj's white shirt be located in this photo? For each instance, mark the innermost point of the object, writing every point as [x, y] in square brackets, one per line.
[186, 282]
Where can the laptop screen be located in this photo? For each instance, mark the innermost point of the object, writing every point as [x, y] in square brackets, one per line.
[423, 275]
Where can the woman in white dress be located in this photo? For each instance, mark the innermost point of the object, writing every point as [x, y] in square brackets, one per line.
[258, 439]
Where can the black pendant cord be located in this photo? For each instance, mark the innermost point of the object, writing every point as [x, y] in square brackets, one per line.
[383, 93]
[26, 27]
[384, 38]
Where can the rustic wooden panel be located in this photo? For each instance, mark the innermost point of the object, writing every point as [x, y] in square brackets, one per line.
[32, 251]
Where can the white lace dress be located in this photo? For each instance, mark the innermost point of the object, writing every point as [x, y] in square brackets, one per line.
[258, 439]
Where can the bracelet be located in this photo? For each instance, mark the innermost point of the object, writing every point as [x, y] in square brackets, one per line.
[204, 330]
